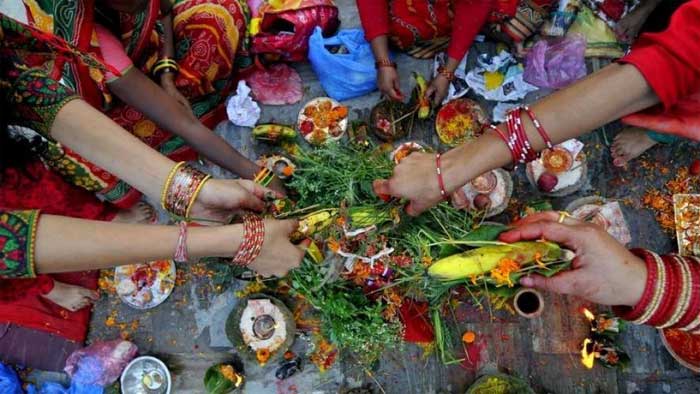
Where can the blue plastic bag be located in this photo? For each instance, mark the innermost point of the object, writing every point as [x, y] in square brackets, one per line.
[9, 382]
[343, 75]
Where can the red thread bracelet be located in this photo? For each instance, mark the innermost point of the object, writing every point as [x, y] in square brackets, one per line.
[441, 182]
[181, 246]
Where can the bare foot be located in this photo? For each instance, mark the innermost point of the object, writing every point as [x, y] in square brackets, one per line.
[628, 27]
[71, 297]
[630, 144]
[140, 213]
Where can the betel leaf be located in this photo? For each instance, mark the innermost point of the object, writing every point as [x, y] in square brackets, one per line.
[486, 232]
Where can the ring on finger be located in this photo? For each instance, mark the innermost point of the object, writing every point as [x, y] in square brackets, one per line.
[562, 216]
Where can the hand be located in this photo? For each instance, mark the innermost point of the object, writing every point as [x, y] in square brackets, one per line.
[388, 83]
[603, 271]
[167, 82]
[438, 89]
[221, 198]
[278, 186]
[278, 255]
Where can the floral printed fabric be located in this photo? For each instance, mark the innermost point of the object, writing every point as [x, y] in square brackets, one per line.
[17, 236]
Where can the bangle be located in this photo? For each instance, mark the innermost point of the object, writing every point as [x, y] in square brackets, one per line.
[538, 126]
[691, 319]
[384, 63]
[181, 189]
[181, 255]
[253, 239]
[636, 312]
[669, 295]
[165, 65]
[264, 177]
[684, 297]
[441, 182]
[449, 75]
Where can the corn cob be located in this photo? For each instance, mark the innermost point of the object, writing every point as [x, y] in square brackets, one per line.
[479, 261]
[368, 216]
[313, 223]
[419, 91]
[273, 132]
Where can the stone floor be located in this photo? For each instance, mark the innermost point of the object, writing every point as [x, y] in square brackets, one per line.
[188, 329]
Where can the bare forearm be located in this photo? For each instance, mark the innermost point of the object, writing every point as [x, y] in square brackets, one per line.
[380, 48]
[451, 64]
[609, 94]
[168, 49]
[143, 94]
[98, 139]
[67, 244]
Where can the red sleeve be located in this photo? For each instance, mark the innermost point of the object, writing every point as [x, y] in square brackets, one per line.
[374, 15]
[16, 289]
[470, 16]
[670, 60]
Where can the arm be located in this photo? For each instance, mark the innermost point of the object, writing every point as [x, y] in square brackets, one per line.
[374, 15]
[469, 18]
[135, 89]
[607, 95]
[606, 273]
[167, 79]
[44, 244]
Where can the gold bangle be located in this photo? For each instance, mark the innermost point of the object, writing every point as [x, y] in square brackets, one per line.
[194, 196]
[168, 181]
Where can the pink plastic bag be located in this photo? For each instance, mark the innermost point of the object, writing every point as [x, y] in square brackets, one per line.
[101, 363]
[556, 63]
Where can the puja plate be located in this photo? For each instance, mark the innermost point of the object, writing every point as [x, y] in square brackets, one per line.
[459, 121]
[683, 347]
[605, 213]
[322, 120]
[499, 193]
[145, 286]
[686, 209]
[568, 181]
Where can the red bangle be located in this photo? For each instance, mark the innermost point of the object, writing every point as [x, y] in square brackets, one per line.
[449, 75]
[538, 126]
[528, 153]
[384, 63]
[636, 312]
[669, 298]
[253, 240]
[441, 182]
[693, 312]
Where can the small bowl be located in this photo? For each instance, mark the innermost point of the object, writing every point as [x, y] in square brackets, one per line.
[131, 382]
[528, 303]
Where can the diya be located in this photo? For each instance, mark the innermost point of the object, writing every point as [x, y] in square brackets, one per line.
[262, 328]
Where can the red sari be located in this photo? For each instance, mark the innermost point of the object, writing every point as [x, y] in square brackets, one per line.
[670, 63]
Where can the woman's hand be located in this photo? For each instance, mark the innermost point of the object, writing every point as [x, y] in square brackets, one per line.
[167, 82]
[438, 89]
[604, 271]
[388, 83]
[278, 255]
[221, 198]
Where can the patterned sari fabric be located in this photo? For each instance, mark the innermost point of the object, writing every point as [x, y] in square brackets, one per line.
[208, 35]
[415, 22]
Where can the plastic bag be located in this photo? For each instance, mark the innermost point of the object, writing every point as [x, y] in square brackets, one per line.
[101, 363]
[55, 388]
[9, 382]
[348, 73]
[556, 63]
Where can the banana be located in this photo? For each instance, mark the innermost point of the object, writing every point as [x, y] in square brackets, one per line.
[273, 132]
[419, 92]
[361, 217]
[479, 261]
